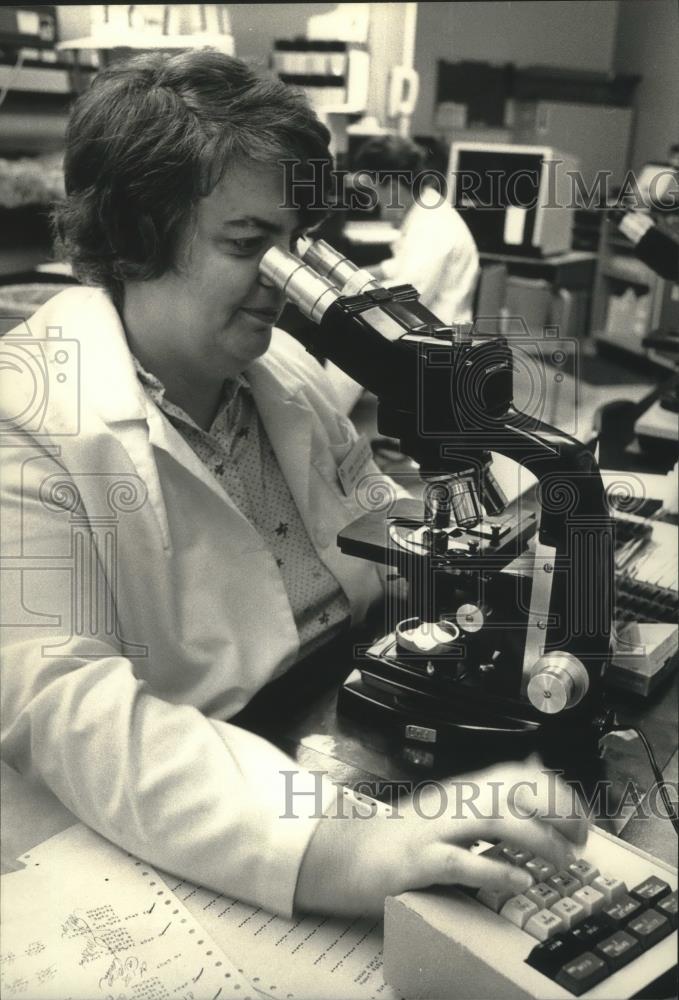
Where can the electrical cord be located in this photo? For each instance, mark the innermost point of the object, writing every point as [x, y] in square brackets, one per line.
[660, 781]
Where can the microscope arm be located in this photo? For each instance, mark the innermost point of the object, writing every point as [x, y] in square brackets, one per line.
[573, 582]
[566, 469]
[572, 591]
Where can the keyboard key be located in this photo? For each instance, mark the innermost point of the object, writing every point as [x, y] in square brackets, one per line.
[515, 855]
[589, 933]
[540, 869]
[621, 912]
[543, 895]
[583, 871]
[494, 851]
[590, 899]
[564, 883]
[649, 928]
[494, 899]
[543, 925]
[569, 911]
[518, 909]
[582, 973]
[650, 891]
[668, 907]
[552, 954]
[612, 888]
[618, 950]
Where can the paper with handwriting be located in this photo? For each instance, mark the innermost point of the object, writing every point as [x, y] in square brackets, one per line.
[306, 958]
[86, 921]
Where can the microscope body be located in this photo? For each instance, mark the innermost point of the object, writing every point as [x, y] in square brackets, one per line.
[481, 647]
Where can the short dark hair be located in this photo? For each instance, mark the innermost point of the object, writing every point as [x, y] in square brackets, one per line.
[389, 154]
[155, 134]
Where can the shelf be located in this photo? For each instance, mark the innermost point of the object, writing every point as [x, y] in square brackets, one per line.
[631, 271]
[38, 80]
[620, 242]
[613, 275]
[566, 257]
[26, 132]
[627, 294]
[336, 109]
[619, 342]
[137, 40]
[573, 269]
[354, 79]
[660, 359]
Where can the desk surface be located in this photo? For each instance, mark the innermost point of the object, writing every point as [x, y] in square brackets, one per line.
[567, 257]
[375, 231]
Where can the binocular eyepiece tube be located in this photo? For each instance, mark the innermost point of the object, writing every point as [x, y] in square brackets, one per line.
[310, 292]
[343, 273]
[310, 281]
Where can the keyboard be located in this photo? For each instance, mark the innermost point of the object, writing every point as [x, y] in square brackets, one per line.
[646, 570]
[606, 929]
[638, 601]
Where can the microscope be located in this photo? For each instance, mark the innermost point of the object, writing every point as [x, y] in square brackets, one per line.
[476, 648]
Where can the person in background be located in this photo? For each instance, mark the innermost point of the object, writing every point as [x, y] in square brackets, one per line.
[435, 250]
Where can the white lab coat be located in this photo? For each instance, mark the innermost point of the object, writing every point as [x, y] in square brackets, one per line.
[123, 719]
[436, 253]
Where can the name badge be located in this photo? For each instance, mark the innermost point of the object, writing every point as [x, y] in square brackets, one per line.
[349, 471]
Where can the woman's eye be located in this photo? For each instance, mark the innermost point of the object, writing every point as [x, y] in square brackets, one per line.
[246, 245]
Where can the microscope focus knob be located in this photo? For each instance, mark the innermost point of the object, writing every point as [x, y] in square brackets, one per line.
[557, 681]
[472, 617]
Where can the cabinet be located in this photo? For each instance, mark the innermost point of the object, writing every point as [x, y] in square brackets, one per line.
[550, 291]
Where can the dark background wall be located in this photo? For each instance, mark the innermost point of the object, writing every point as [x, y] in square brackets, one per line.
[647, 42]
[576, 34]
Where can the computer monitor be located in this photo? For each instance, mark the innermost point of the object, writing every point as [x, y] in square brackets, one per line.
[516, 200]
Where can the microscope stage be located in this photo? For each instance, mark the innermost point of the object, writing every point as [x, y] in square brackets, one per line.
[491, 544]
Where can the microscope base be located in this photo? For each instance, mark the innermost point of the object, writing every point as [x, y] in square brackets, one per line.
[430, 725]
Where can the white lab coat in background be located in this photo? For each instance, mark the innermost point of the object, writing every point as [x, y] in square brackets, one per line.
[436, 253]
[123, 720]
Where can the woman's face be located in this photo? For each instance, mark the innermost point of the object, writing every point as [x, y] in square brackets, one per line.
[213, 313]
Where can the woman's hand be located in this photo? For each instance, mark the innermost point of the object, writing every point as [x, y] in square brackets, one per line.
[357, 858]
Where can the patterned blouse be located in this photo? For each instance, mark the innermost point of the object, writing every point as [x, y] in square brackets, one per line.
[238, 453]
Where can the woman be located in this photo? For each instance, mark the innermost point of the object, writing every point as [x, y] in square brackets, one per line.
[182, 510]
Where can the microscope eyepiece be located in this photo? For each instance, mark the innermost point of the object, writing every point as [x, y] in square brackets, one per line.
[310, 292]
[343, 274]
